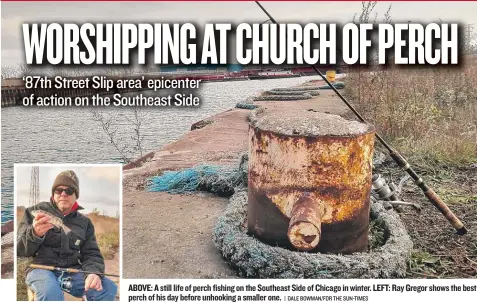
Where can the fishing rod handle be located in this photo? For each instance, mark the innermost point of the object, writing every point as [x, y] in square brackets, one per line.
[430, 194]
[39, 266]
[53, 268]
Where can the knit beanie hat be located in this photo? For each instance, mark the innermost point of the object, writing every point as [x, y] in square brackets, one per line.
[66, 178]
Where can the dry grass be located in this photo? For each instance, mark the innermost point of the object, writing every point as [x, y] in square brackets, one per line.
[22, 265]
[107, 233]
[20, 212]
[430, 115]
[427, 113]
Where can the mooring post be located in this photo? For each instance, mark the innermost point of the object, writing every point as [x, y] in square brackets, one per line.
[310, 181]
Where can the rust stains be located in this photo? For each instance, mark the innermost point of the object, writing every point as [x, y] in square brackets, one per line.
[310, 192]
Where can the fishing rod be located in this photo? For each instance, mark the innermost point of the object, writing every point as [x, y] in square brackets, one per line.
[397, 157]
[68, 270]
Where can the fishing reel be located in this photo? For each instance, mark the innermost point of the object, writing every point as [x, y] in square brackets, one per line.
[389, 193]
[382, 190]
[66, 283]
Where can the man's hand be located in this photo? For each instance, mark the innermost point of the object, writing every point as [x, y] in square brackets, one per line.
[94, 282]
[41, 224]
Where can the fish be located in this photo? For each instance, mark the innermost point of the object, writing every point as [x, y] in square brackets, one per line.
[54, 220]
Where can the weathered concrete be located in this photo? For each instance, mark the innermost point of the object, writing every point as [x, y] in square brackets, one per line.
[170, 236]
[7, 256]
[308, 123]
[7, 227]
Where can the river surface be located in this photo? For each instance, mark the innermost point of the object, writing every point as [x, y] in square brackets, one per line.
[71, 135]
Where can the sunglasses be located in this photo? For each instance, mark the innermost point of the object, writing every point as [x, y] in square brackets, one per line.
[68, 191]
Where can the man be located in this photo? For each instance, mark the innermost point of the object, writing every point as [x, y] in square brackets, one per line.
[72, 245]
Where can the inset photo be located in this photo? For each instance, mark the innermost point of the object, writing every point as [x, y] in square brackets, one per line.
[68, 238]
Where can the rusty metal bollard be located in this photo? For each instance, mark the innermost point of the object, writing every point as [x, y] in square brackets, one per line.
[309, 181]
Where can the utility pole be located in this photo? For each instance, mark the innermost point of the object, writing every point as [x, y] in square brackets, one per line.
[35, 186]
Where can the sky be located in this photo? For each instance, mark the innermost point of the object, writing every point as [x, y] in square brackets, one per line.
[99, 186]
[14, 14]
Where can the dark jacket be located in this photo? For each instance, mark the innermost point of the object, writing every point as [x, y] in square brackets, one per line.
[75, 249]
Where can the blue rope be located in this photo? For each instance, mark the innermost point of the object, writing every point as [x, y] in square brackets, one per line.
[242, 105]
[187, 180]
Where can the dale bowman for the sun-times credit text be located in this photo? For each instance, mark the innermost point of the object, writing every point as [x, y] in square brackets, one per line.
[296, 290]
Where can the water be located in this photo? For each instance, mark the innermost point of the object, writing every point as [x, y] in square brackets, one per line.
[70, 135]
